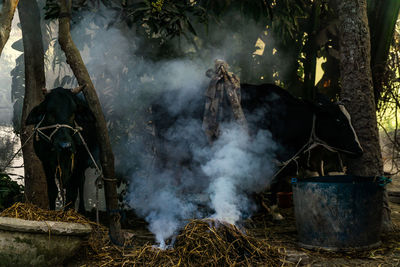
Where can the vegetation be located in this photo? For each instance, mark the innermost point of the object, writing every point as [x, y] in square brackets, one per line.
[7, 145]
[10, 191]
[288, 35]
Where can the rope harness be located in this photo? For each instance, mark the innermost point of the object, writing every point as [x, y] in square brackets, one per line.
[76, 130]
[56, 127]
[312, 142]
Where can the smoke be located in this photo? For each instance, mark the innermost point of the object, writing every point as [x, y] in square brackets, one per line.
[196, 180]
[239, 165]
[157, 199]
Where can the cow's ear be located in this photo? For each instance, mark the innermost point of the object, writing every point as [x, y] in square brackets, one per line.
[36, 114]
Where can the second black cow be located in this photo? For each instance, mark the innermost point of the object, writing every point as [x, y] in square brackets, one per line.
[306, 132]
[295, 124]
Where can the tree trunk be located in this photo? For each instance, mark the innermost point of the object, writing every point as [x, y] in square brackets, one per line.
[357, 88]
[35, 179]
[6, 17]
[75, 61]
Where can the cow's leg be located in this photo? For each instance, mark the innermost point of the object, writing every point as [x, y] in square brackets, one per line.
[52, 190]
[71, 193]
[273, 210]
[81, 208]
[321, 169]
[77, 182]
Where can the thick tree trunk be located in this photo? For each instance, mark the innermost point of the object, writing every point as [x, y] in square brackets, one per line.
[357, 88]
[75, 61]
[6, 17]
[35, 179]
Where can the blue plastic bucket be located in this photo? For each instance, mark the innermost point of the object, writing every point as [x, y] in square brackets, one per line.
[338, 213]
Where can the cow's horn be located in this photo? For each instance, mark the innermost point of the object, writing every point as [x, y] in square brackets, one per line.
[45, 91]
[77, 89]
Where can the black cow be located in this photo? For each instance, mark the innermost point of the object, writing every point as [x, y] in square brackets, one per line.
[270, 107]
[293, 123]
[266, 106]
[61, 149]
[290, 120]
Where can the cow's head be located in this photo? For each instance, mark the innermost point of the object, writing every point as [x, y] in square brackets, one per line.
[61, 106]
[333, 125]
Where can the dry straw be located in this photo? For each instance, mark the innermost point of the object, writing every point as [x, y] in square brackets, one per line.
[201, 243]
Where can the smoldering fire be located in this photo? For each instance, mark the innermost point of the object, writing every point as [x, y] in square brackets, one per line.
[221, 177]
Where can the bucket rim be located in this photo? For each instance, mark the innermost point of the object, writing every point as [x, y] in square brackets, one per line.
[340, 249]
[340, 179]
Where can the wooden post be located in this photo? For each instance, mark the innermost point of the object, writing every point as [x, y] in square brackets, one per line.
[75, 61]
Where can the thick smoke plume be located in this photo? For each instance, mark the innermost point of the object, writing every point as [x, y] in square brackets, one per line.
[218, 180]
[238, 165]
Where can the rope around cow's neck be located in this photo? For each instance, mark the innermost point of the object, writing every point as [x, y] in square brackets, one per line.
[57, 127]
[77, 130]
[37, 129]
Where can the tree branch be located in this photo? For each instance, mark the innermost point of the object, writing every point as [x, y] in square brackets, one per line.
[78, 67]
[6, 17]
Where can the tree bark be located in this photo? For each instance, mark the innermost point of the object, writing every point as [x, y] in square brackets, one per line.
[357, 88]
[6, 17]
[35, 179]
[75, 61]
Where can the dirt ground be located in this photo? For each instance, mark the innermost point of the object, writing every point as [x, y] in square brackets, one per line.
[284, 236]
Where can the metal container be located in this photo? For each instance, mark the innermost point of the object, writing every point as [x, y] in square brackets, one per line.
[338, 213]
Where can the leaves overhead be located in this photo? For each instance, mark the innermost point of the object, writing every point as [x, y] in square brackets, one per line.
[165, 19]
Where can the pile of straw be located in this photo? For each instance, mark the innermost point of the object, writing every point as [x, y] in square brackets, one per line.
[201, 243]
[27, 211]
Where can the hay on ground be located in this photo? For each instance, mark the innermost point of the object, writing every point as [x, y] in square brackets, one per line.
[27, 211]
[201, 243]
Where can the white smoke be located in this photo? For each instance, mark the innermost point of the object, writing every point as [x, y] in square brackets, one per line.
[220, 177]
[239, 165]
[157, 200]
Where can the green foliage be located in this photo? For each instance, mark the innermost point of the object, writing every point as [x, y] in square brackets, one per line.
[162, 19]
[254, 9]
[157, 5]
[10, 191]
[52, 9]
[389, 104]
